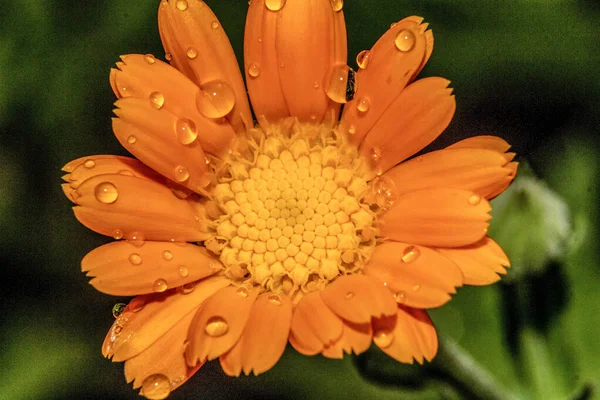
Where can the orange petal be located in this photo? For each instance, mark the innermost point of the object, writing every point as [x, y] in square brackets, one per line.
[314, 325]
[126, 269]
[264, 338]
[493, 143]
[476, 170]
[479, 262]
[413, 120]
[356, 338]
[497, 187]
[169, 97]
[357, 298]
[437, 217]
[219, 323]
[149, 317]
[417, 275]
[136, 207]
[410, 335]
[387, 73]
[164, 357]
[200, 48]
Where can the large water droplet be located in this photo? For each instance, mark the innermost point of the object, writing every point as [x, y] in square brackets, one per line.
[274, 5]
[341, 84]
[384, 191]
[181, 173]
[167, 255]
[216, 99]
[188, 288]
[363, 104]
[159, 286]
[106, 193]
[156, 387]
[242, 291]
[137, 304]
[186, 131]
[137, 239]
[149, 58]
[191, 53]
[383, 339]
[474, 200]
[216, 326]
[337, 5]
[254, 70]
[275, 300]
[131, 139]
[405, 40]
[89, 164]
[117, 234]
[135, 259]
[362, 59]
[118, 309]
[157, 99]
[410, 254]
[181, 5]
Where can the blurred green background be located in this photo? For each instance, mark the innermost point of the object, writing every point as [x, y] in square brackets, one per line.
[525, 70]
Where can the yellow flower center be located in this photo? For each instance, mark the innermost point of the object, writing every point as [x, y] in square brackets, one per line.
[294, 218]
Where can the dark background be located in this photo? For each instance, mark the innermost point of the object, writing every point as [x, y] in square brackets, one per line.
[524, 70]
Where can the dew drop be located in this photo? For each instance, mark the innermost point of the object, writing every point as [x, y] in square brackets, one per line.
[168, 56]
[181, 173]
[275, 300]
[167, 255]
[125, 172]
[316, 85]
[187, 288]
[474, 200]
[216, 327]
[337, 5]
[131, 139]
[156, 387]
[118, 309]
[416, 288]
[400, 297]
[410, 254]
[135, 259]
[157, 100]
[405, 40]
[137, 239]
[106, 193]
[383, 339]
[137, 304]
[362, 59]
[393, 24]
[191, 53]
[254, 70]
[242, 291]
[186, 131]
[181, 5]
[349, 295]
[375, 154]
[89, 164]
[352, 129]
[214, 24]
[216, 99]
[183, 271]
[274, 5]
[159, 286]
[341, 84]
[384, 191]
[149, 58]
[363, 105]
[117, 234]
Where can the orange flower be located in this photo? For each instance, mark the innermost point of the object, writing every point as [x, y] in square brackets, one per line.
[239, 237]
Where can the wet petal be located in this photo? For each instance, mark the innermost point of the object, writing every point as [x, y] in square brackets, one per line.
[200, 49]
[479, 262]
[314, 325]
[264, 338]
[388, 72]
[167, 96]
[413, 120]
[357, 298]
[149, 317]
[135, 206]
[126, 269]
[416, 275]
[164, 357]
[219, 323]
[437, 217]
[356, 338]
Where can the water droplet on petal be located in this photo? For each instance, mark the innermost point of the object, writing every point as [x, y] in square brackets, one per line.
[137, 239]
[168, 56]
[117, 234]
[349, 295]
[191, 53]
[275, 5]
[400, 297]
[216, 99]
[254, 70]
[183, 271]
[384, 191]
[125, 172]
[337, 5]
[106, 193]
[405, 40]
[352, 129]
[474, 200]
[149, 58]
[341, 84]
[156, 387]
[410, 254]
[159, 286]
[362, 59]
[181, 173]
[214, 24]
[131, 139]
[167, 255]
[383, 339]
[135, 259]
[393, 24]
[118, 309]
[242, 291]
[137, 304]
[216, 326]
[375, 154]
[157, 100]
[275, 300]
[186, 131]
[181, 5]
[188, 288]
[316, 85]
[363, 105]
[89, 164]
[416, 288]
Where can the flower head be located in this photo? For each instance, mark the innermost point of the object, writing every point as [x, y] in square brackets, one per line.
[239, 237]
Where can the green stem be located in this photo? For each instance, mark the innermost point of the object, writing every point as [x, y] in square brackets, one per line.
[455, 362]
